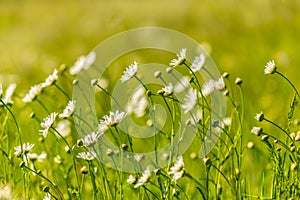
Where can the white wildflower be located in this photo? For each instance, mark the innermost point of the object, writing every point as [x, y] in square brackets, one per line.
[47, 124]
[144, 178]
[208, 88]
[139, 157]
[63, 127]
[177, 170]
[36, 157]
[180, 58]
[69, 110]
[88, 156]
[270, 68]
[220, 84]
[83, 63]
[138, 103]
[190, 100]
[168, 89]
[113, 119]
[198, 63]
[47, 196]
[257, 130]
[6, 192]
[129, 72]
[32, 94]
[131, 179]
[182, 84]
[91, 139]
[51, 79]
[26, 147]
[7, 99]
[227, 121]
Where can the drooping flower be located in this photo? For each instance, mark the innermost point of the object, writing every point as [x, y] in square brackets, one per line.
[88, 156]
[33, 93]
[83, 63]
[220, 84]
[26, 147]
[7, 99]
[138, 103]
[208, 88]
[144, 178]
[177, 170]
[47, 124]
[129, 72]
[270, 68]
[69, 110]
[190, 100]
[180, 58]
[91, 139]
[51, 79]
[198, 63]
[113, 119]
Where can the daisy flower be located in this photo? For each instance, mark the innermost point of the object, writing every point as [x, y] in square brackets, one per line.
[257, 130]
[32, 94]
[47, 124]
[220, 84]
[51, 79]
[180, 58]
[83, 63]
[47, 196]
[208, 88]
[69, 110]
[198, 63]
[144, 178]
[8, 94]
[131, 179]
[182, 84]
[168, 89]
[259, 116]
[91, 139]
[88, 156]
[138, 103]
[36, 157]
[270, 68]
[190, 100]
[129, 72]
[113, 119]
[63, 127]
[177, 170]
[26, 147]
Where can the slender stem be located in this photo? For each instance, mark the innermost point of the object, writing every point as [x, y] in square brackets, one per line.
[293, 86]
[279, 128]
[62, 91]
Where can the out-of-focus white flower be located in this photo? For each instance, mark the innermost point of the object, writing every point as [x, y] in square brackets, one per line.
[177, 170]
[47, 196]
[198, 63]
[51, 79]
[91, 139]
[36, 157]
[26, 147]
[47, 124]
[88, 156]
[129, 72]
[182, 84]
[32, 94]
[270, 68]
[7, 99]
[113, 119]
[138, 103]
[180, 58]
[227, 121]
[69, 110]
[208, 88]
[220, 84]
[63, 127]
[168, 89]
[6, 192]
[131, 179]
[259, 116]
[139, 157]
[257, 130]
[190, 100]
[144, 178]
[83, 63]
[195, 119]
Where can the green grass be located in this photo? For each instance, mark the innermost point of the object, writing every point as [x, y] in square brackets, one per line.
[241, 37]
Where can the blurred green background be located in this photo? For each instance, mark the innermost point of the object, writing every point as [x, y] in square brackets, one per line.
[241, 36]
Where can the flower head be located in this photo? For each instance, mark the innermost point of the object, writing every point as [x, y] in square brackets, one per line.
[113, 119]
[270, 68]
[182, 84]
[138, 103]
[220, 84]
[91, 139]
[129, 72]
[208, 88]
[190, 100]
[131, 179]
[47, 124]
[7, 99]
[26, 147]
[51, 79]
[36, 157]
[88, 156]
[32, 94]
[259, 116]
[257, 130]
[63, 127]
[69, 110]
[177, 170]
[47, 196]
[83, 63]
[180, 58]
[198, 63]
[144, 178]
[168, 89]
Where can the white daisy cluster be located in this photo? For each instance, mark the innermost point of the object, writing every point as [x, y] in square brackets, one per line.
[25, 149]
[69, 110]
[138, 103]
[129, 72]
[47, 124]
[51, 79]
[177, 171]
[146, 175]
[113, 119]
[88, 156]
[83, 63]
[7, 99]
[91, 139]
[33, 93]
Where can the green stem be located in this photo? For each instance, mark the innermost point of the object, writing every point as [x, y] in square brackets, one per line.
[293, 86]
